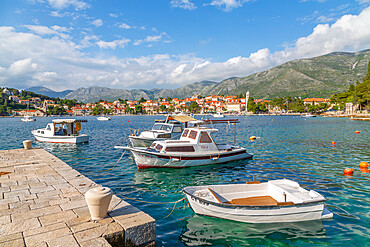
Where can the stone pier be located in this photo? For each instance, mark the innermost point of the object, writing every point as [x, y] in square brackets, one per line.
[42, 204]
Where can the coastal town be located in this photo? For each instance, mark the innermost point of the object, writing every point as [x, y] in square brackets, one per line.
[196, 104]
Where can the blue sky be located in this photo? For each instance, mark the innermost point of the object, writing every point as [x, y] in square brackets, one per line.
[67, 44]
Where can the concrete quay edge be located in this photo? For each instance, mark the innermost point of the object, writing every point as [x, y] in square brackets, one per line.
[42, 204]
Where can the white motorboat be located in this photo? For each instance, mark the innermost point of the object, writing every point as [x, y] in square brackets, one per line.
[218, 115]
[103, 118]
[308, 115]
[169, 129]
[28, 119]
[273, 201]
[61, 131]
[195, 147]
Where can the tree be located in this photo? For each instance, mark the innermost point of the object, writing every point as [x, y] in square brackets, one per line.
[194, 107]
[139, 109]
[162, 108]
[142, 100]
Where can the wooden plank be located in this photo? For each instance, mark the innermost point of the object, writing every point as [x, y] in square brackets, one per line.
[216, 196]
[255, 201]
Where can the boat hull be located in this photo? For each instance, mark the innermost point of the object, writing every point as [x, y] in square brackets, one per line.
[61, 139]
[156, 160]
[296, 213]
[141, 142]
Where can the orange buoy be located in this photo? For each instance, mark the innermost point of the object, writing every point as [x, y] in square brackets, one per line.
[357, 132]
[128, 121]
[364, 170]
[348, 171]
[364, 164]
[333, 142]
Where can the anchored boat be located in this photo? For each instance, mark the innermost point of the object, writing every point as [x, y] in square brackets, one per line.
[28, 119]
[169, 129]
[103, 118]
[195, 147]
[61, 131]
[273, 201]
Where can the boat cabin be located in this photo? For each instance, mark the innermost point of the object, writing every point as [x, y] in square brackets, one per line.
[195, 139]
[62, 127]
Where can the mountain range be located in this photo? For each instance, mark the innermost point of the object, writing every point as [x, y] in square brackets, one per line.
[320, 76]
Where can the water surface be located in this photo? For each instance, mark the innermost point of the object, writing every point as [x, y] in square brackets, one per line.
[289, 147]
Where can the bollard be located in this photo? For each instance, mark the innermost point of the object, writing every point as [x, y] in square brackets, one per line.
[98, 200]
[27, 144]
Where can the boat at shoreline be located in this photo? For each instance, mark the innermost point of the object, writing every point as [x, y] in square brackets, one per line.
[254, 202]
[28, 119]
[218, 115]
[61, 131]
[308, 115]
[196, 147]
[103, 118]
[168, 129]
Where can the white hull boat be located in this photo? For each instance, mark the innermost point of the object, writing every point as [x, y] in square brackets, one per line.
[103, 118]
[308, 115]
[61, 131]
[195, 148]
[28, 119]
[165, 130]
[271, 202]
[218, 115]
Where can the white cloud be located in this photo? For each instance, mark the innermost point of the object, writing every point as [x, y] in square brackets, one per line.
[113, 44]
[41, 30]
[34, 58]
[113, 15]
[124, 26]
[184, 4]
[62, 4]
[97, 23]
[228, 5]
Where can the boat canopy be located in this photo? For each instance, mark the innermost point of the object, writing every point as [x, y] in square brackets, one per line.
[66, 121]
[181, 118]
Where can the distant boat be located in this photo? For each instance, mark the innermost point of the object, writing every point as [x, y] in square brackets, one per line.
[308, 115]
[218, 114]
[28, 119]
[103, 118]
[61, 131]
[275, 201]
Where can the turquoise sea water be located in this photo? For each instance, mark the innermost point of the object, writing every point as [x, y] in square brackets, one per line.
[289, 147]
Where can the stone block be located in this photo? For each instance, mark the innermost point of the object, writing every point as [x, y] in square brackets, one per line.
[57, 217]
[73, 205]
[82, 212]
[13, 243]
[67, 240]
[43, 229]
[35, 213]
[41, 238]
[21, 226]
[97, 242]
[11, 237]
[16, 193]
[5, 219]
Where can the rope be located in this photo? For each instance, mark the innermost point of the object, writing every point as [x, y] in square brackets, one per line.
[116, 162]
[175, 206]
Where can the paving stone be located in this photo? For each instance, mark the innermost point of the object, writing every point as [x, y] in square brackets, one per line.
[35, 213]
[39, 205]
[21, 226]
[97, 242]
[68, 240]
[57, 217]
[44, 229]
[11, 237]
[59, 201]
[34, 240]
[98, 232]
[42, 189]
[73, 204]
[82, 212]
[19, 187]
[5, 219]
[27, 197]
[9, 200]
[13, 243]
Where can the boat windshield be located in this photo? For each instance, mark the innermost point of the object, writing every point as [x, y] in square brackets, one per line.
[162, 127]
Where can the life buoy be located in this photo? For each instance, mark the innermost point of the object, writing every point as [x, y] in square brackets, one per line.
[78, 126]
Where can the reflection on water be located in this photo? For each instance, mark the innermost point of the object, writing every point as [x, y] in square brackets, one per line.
[202, 230]
[289, 147]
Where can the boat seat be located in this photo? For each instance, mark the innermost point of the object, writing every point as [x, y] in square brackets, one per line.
[251, 201]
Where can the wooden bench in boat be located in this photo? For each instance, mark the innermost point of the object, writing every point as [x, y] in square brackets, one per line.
[252, 201]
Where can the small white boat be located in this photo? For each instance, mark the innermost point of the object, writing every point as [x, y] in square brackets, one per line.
[195, 147]
[28, 119]
[218, 115]
[103, 118]
[169, 129]
[274, 201]
[308, 115]
[61, 131]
